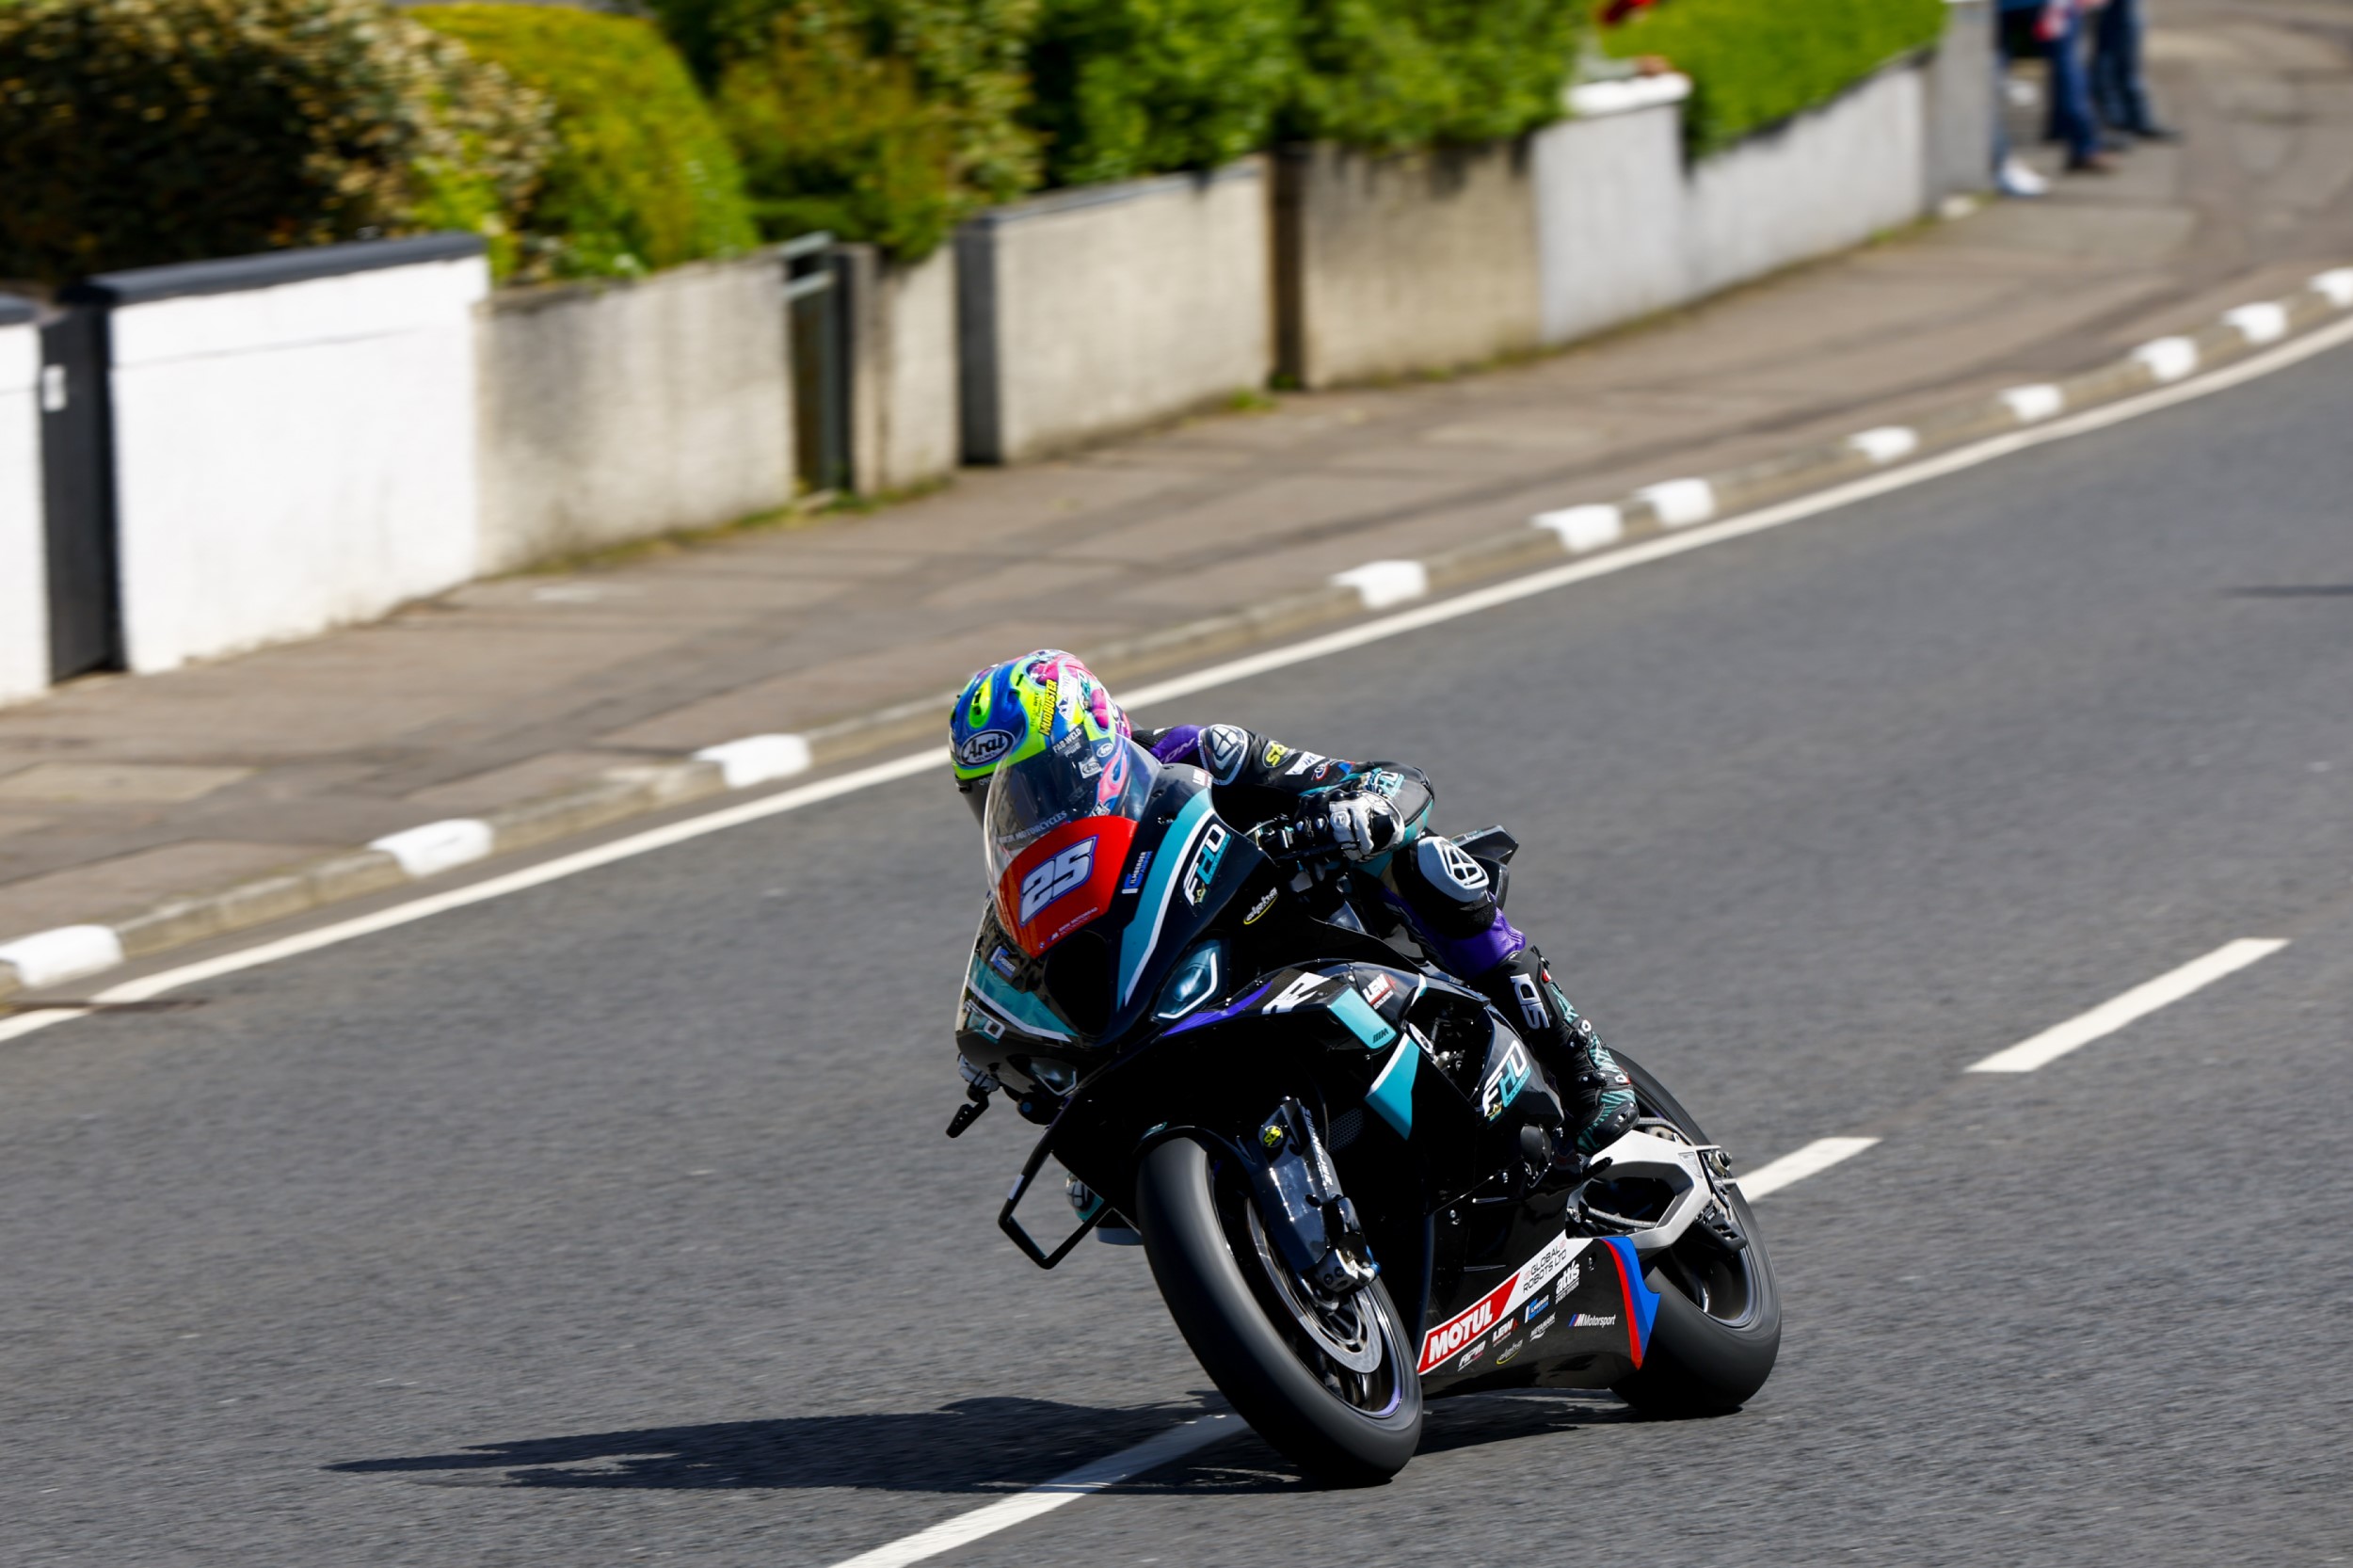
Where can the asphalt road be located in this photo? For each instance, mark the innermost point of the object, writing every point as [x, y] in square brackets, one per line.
[611, 1220]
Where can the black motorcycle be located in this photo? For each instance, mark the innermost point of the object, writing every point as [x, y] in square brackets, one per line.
[1338, 1162]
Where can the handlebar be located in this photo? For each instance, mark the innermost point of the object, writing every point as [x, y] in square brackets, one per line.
[1307, 834]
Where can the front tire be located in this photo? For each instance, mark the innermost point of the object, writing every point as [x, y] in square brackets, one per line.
[1717, 1332]
[1342, 1426]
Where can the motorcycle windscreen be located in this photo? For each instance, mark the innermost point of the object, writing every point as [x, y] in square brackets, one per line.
[1057, 829]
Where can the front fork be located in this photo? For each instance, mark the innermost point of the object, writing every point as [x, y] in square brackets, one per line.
[1311, 1222]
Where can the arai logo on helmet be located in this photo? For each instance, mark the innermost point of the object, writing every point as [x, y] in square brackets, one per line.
[983, 748]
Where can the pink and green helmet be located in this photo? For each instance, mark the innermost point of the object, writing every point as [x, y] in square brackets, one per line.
[1017, 708]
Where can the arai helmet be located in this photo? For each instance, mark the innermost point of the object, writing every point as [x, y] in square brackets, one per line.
[1020, 708]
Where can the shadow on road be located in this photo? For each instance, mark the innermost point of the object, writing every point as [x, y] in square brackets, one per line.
[2308, 590]
[975, 1446]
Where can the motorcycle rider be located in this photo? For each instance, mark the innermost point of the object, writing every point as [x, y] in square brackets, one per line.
[1013, 709]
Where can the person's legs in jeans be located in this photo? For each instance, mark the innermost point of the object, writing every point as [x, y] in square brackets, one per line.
[2072, 120]
[2119, 92]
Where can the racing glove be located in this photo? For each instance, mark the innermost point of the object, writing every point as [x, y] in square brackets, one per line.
[1365, 824]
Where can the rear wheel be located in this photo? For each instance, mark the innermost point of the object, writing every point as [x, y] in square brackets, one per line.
[1329, 1381]
[1718, 1330]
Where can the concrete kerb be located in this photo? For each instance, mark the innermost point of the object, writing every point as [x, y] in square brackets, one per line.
[53, 957]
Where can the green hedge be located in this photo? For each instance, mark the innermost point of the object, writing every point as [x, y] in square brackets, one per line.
[643, 178]
[1125, 88]
[887, 120]
[1387, 74]
[1753, 63]
[135, 132]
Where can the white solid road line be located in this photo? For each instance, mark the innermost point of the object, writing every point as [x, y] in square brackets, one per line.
[2138, 1003]
[1795, 1166]
[1174, 1444]
[1150, 1454]
[1476, 601]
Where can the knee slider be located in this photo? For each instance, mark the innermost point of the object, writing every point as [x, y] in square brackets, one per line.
[1445, 888]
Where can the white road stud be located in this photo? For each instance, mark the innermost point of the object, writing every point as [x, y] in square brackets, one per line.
[1886, 442]
[1382, 584]
[1583, 528]
[62, 953]
[2035, 404]
[437, 846]
[2266, 322]
[2167, 359]
[1680, 502]
[758, 759]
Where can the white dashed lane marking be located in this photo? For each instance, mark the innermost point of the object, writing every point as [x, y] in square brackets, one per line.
[2138, 1003]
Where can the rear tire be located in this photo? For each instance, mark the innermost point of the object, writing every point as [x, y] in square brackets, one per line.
[1193, 1235]
[1702, 1362]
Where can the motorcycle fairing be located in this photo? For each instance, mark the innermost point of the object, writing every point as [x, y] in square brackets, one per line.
[1064, 881]
[1577, 1313]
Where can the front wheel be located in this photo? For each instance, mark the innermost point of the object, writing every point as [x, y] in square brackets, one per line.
[1329, 1381]
[1717, 1332]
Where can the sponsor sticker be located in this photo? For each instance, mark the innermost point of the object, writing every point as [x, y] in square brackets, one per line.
[1541, 1330]
[1586, 1319]
[1472, 1354]
[1537, 1308]
[1504, 1358]
[980, 750]
[1379, 989]
[1449, 1339]
[1307, 760]
[1262, 906]
[1003, 962]
[1135, 874]
[1203, 871]
[1505, 1081]
[1276, 752]
[1532, 1000]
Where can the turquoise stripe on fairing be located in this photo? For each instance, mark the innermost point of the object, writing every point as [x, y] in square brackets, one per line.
[1363, 1022]
[1021, 1007]
[1392, 1094]
[1144, 927]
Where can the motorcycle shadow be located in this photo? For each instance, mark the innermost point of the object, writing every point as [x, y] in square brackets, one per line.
[984, 1445]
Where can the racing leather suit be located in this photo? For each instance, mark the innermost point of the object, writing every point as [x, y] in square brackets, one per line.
[1444, 897]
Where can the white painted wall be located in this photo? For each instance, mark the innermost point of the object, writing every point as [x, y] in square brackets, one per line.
[1611, 207]
[1097, 309]
[24, 576]
[613, 411]
[1826, 180]
[1625, 228]
[904, 427]
[292, 458]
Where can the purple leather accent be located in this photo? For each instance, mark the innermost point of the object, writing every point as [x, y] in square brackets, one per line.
[1181, 744]
[1465, 959]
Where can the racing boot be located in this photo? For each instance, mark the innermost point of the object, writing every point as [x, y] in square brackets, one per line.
[1597, 1096]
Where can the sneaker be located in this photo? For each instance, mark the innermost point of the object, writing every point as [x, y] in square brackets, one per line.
[2015, 178]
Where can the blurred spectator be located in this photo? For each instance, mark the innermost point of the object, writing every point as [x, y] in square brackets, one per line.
[2119, 94]
[2054, 30]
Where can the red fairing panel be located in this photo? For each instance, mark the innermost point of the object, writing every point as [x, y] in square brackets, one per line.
[1065, 879]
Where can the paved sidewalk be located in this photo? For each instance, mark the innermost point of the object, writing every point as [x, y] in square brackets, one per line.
[116, 793]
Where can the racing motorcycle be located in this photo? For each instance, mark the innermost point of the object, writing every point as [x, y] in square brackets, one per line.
[1337, 1161]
